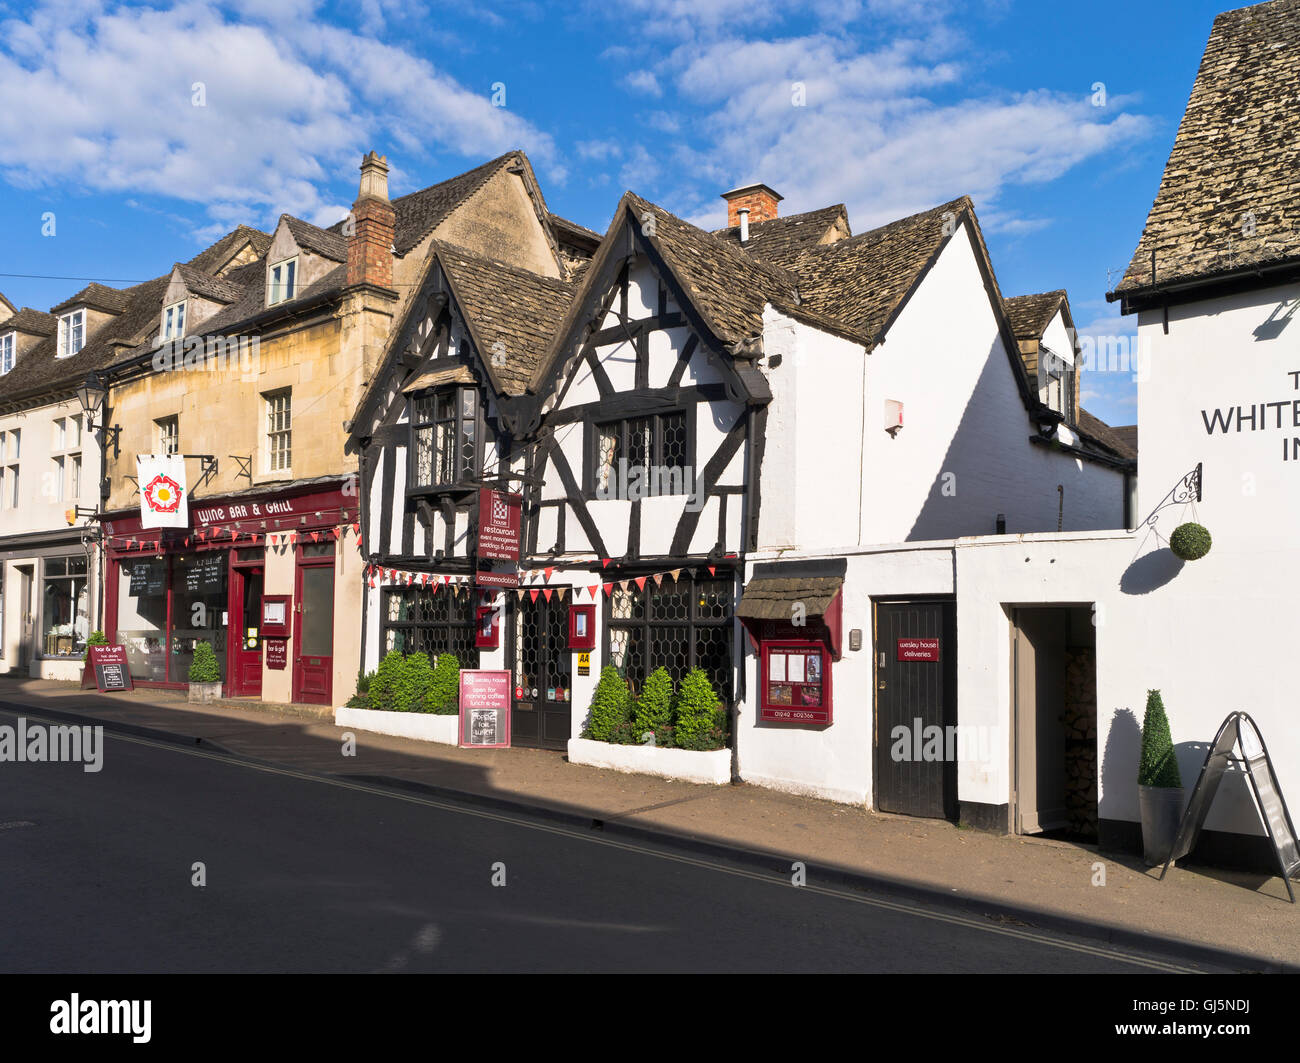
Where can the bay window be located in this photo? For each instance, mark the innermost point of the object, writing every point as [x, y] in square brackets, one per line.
[446, 437]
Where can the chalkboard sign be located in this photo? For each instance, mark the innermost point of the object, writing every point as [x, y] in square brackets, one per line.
[484, 708]
[147, 577]
[1239, 742]
[107, 669]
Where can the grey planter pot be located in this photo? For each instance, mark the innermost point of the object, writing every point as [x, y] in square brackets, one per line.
[202, 693]
[1162, 809]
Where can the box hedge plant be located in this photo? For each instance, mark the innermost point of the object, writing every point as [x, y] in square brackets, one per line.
[1157, 765]
[1189, 541]
[654, 705]
[443, 697]
[610, 707]
[696, 715]
[203, 667]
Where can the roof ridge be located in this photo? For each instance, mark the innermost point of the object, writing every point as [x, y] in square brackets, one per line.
[456, 249]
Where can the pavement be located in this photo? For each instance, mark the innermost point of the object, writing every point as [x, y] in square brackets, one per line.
[1220, 918]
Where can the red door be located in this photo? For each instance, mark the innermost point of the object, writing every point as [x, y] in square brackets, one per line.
[313, 631]
[244, 638]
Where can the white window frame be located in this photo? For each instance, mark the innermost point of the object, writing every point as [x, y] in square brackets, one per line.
[169, 435]
[60, 477]
[278, 289]
[72, 329]
[8, 344]
[76, 477]
[173, 321]
[279, 430]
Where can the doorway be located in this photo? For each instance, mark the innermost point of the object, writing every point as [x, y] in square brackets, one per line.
[1054, 690]
[542, 711]
[245, 671]
[313, 638]
[916, 700]
[27, 614]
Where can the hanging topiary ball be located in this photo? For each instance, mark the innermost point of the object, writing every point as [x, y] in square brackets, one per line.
[1190, 541]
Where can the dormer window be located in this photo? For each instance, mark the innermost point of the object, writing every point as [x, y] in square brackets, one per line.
[6, 353]
[282, 281]
[446, 435]
[173, 321]
[1056, 383]
[72, 333]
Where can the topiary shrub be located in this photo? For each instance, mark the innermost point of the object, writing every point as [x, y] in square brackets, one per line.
[203, 668]
[444, 692]
[417, 674]
[1157, 766]
[383, 689]
[610, 706]
[1190, 542]
[695, 713]
[654, 705]
[361, 699]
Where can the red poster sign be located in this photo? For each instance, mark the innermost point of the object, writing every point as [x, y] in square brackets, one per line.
[277, 653]
[918, 649]
[484, 708]
[497, 579]
[498, 525]
[107, 669]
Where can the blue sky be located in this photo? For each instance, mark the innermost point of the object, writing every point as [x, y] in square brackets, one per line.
[888, 106]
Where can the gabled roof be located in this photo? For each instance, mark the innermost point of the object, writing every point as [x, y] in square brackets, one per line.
[1227, 201]
[206, 285]
[781, 240]
[1031, 314]
[1098, 431]
[35, 322]
[864, 280]
[7, 305]
[508, 306]
[215, 258]
[309, 237]
[419, 213]
[97, 296]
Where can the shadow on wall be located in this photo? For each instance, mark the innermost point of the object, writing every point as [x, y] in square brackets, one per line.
[1119, 767]
[973, 510]
[1151, 571]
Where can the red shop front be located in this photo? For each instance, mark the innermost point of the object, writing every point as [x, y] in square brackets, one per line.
[167, 589]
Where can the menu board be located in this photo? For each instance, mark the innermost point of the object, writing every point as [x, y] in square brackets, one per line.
[106, 668]
[484, 708]
[147, 578]
[795, 684]
[205, 573]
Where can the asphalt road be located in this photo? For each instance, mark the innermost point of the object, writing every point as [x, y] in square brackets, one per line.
[307, 874]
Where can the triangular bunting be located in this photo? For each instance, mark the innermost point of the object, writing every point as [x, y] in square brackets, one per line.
[547, 574]
[607, 588]
[604, 561]
[534, 592]
[713, 570]
[640, 583]
[547, 591]
[592, 590]
[659, 578]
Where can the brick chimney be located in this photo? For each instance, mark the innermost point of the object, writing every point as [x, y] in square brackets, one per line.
[370, 244]
[759, 200]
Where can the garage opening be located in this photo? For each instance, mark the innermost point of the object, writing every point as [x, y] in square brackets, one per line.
[1054, 666]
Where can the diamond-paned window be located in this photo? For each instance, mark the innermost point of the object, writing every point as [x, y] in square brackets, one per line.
[421, 620]
[639, 457]
[446, 435]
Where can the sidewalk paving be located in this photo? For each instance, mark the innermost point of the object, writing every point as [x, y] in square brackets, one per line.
[1008, 878]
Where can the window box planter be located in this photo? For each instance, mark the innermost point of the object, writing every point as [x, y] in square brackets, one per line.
[204, 693]
[712, 767]
[422, 726]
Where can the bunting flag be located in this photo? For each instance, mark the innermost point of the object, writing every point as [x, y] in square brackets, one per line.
[356, 529]
[315, 537]
[203, 534]
[519, 593]
[713, 570]
[548, 574]
[561, 591]
[604, 561]
[534, 592]
[547, 591]
[592, 590]
[675, 573]
[187, 542]
[640, 583]
[659, 578]
[607, 588]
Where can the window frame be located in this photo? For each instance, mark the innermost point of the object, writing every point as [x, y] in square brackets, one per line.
[274, 288]
[597, 421]
[271, 432]
[65, 332]
[461, 476]
[465, 625]
[162, 424]
[8, 352]
[168, 333]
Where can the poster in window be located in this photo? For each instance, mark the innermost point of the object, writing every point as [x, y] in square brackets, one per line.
[794, 670]
[810, 695]
[776, 668]
[815, 668]
[779, 693]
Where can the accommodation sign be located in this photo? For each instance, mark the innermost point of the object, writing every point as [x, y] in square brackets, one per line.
[498, 525]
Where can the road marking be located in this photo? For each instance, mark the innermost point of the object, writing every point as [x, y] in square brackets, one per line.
[770, 878]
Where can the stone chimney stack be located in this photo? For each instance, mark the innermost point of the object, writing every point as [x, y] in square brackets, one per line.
[759, 200]
[370, 243]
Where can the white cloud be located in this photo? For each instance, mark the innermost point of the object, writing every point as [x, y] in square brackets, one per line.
[100, 96]
[643, 81]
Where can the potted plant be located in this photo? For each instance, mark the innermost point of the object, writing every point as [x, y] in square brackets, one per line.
[205, 677]
[1160, 787]
[1189, 541]
[95, 638]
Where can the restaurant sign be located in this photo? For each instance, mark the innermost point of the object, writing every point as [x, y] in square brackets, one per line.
[498, 525]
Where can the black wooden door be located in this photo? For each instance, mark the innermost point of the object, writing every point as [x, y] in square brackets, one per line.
[543, 689]
[914, 693]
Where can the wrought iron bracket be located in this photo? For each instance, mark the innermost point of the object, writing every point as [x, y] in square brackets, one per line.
[1186, 490]
[245, 467]
[207, 468]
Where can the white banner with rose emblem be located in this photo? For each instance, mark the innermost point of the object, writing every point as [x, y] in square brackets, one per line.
[164, 498]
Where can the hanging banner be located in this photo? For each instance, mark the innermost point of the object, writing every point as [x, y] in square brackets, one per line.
[498, 525]
[164, 498]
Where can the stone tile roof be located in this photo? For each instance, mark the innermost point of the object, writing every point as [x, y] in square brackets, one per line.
[773, 598]
[419, 213]
[32, 321]
[1030, 315]
[205, 284]
[862, 280]
[1236, 154]
[728, 287]
[211, 259]
[508, 306]
[323, 242]
[781, 240]
[1127, 434]
[99, 296]
[1098, 431]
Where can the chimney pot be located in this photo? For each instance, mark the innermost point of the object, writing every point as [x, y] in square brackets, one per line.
[374, 177]
[759, 200]
[744, 224]
[370, 244]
